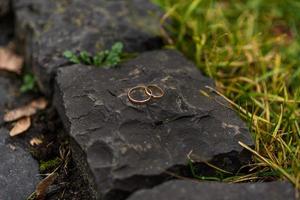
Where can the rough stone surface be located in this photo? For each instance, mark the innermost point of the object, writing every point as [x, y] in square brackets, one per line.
[124, 147]
[4, 7]
[189, 190]
[50, 27]
[19, 172]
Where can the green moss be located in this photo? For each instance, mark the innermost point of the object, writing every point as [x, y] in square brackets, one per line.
[49, 164]
[79, 20]
[47, 26]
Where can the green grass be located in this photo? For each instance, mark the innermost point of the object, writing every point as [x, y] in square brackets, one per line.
[251, 48]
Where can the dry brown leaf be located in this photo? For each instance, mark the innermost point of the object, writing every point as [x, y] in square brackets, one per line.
[35, 141]
[26, 111]
[9, 61]
[20, 126]
[40, 103]
[42, 186]
[19, 113]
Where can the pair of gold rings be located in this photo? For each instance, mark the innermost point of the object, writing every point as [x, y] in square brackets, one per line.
[148, 93]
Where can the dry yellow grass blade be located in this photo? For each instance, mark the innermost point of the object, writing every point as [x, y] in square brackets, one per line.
[195, 159]
[242, 110]
[275, 132]
[26, 111]
[9, 61]
[270, 163]
[20, 126]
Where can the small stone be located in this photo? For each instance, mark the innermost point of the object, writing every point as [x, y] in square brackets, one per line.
[192, 190]
[19, 172]
[126, 147]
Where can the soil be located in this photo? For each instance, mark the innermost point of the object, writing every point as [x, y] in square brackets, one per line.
[69, 183]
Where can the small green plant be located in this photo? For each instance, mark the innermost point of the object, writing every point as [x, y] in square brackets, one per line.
[106, 58]
[29, 83]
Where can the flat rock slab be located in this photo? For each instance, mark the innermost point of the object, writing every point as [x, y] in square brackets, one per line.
[190, 190]
[125, 147]
[19, 172]
[50, 27]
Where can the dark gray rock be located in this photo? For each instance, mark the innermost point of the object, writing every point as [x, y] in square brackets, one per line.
[124, 147]
[48, 28]
[4, 7]
[192, 190]
[19, 172]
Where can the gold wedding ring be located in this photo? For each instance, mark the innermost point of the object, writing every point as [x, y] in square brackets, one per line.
[138, 88]
[150, 91]
[154, 91]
